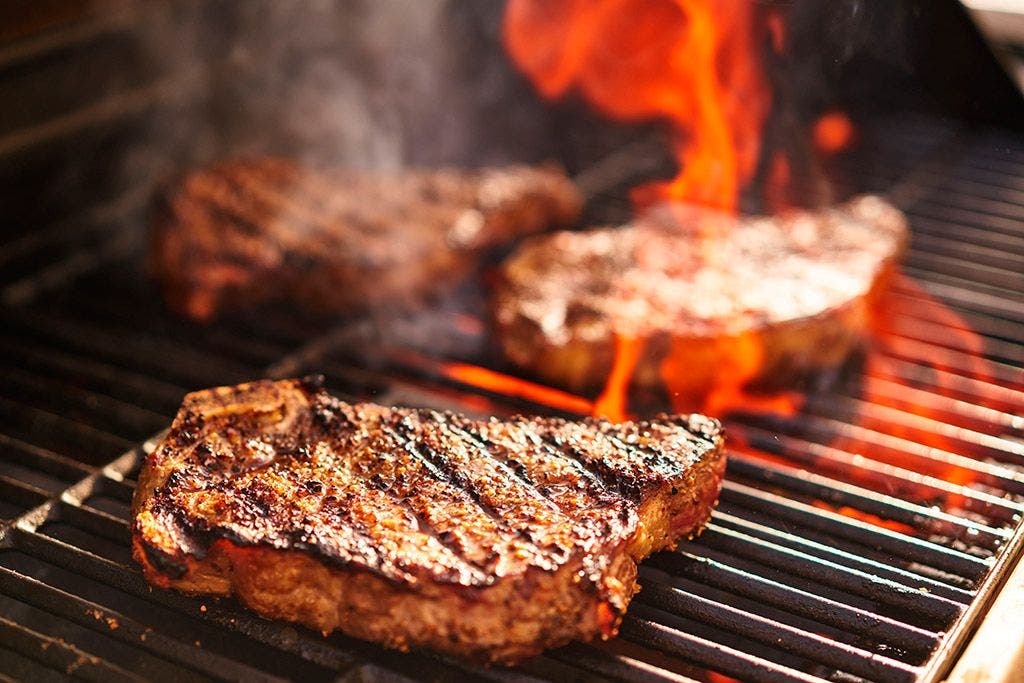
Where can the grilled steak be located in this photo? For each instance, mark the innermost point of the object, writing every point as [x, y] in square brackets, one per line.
[243, 232]
[488, 539]
[788, 295]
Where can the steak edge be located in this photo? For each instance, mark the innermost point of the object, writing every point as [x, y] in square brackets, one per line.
[489, 539]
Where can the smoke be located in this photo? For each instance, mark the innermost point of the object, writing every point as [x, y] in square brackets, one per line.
[357, 83]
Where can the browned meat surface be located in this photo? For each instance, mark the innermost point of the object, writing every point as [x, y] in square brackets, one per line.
[488, 539]
[246, 231]
[790, 294]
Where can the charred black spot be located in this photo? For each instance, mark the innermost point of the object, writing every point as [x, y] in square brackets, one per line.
[165, 563]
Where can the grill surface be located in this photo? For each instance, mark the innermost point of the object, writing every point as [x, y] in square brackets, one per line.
[859, 539]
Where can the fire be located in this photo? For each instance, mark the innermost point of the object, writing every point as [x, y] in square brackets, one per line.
[735, 360]
[833, 132]
[507, 385]
[612, 403]
[697, 65]
[874, 520]
[693, 63]
[888, 345]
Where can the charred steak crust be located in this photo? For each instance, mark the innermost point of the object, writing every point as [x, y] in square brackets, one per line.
[242, 232]
[793, 291]
[488, 539]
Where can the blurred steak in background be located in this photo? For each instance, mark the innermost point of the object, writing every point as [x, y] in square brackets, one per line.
[339, 241]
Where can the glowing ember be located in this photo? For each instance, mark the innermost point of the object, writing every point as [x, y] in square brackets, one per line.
[833, 132]
[693, 63]
[714, 677]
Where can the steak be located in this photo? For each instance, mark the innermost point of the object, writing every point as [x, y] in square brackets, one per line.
[490, 539]
[702, 292]
[243, 232]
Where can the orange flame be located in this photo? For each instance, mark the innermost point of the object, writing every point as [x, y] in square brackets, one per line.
[693, 63]
[734, 361]
[507, 385]
[613, 401]
[874, 520]
[961, 351]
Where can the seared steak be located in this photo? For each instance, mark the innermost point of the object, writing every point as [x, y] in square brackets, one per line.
[246, 231]
[790, 294]
[488, 539]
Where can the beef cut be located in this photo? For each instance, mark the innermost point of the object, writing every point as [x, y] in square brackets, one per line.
[246, 231]
[490, 539]
[703, 292]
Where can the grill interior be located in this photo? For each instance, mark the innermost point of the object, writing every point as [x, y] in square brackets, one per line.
[860, 539]
[842, 548]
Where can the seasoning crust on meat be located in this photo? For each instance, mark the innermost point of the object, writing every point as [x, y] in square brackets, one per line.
[242, 232]
[793, 292]
[491, 539]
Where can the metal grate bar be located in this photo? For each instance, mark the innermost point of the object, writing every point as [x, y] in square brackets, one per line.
[709, 653]
[616, 666]
[916, 641]
[910, 484]
[773, 633]
[830, 573]
[926, 429]
[908, 305]
[125, 578]
[837, 555]
[839, 493]
[60, 656]
[973, 296]
[135, 351]
[910, 548]
[118, 626]
[120, 383]
[930, 332]
[948, 383]
[84, 441]
[924, 458]
[108, 413]
[932, 235]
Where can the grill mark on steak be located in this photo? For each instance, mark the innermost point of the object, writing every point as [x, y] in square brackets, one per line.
[443, 469]
[650, 456]
[487, 449]
[262, 212]
[422, 522]
[414, 527]
[594, 476]
[520, 511]
[480, 544]
[291, 205]
[564, 449]
[519, 459]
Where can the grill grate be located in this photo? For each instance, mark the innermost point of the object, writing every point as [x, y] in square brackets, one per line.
[845, 547]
